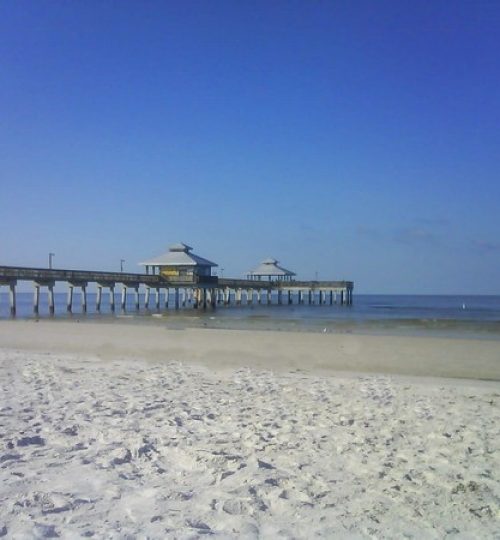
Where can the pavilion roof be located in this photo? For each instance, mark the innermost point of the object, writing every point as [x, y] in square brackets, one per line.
[270, 267]
[178, 255]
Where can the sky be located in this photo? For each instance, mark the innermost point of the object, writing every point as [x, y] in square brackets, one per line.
[348, 139]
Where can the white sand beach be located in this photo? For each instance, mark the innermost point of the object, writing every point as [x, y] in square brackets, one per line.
[124, 431]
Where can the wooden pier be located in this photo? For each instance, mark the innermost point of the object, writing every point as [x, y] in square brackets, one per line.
[199, 291]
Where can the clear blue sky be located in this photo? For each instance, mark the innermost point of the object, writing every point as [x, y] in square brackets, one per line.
[355, 139]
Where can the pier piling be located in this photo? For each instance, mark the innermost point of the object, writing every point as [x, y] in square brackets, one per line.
[98, 298]
[36, 299]
[112, 297]
[124, 298]
[84, 297]
[12, 297]
[136, 294]
[69, 299]
[51, 299]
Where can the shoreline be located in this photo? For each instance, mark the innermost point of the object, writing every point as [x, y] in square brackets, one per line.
[280, 350]
[403, 327]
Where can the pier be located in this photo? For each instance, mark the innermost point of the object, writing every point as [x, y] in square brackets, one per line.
[196, 291]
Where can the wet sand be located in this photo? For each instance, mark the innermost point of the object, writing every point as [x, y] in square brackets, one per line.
[220, 349]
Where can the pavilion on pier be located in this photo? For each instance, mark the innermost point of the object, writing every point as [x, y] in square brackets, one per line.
[270, 270]
[179, 263]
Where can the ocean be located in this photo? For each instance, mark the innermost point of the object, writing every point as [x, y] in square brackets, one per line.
[476, 316]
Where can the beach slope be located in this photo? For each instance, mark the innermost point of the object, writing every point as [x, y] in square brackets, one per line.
[123, 431]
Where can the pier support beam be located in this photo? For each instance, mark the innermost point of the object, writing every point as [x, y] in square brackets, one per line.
[36, 299]
[299, 297]
[103, 285]
[69, 298]
[269, 298]
[259, 296]
[84, 298]
[177, 298]
[238, 297]
[166, 298]
[148, 297]
[279, 297]
[124, 298]
[289, 296]
[136, 294]
[202, 298]
[12, 297]
[83, 286]
[157, 298]
[112, 298]
[227, 294]
[52, 307]
[310, 299]
[98, 298]
[36, 295]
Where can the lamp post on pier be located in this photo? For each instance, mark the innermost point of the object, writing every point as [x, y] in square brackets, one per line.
[121, 265]
[50, 260]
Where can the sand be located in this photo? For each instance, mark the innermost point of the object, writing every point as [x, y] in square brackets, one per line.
[283, 351]
[120, 431]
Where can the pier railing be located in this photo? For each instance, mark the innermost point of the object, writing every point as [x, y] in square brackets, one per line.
[52, 274]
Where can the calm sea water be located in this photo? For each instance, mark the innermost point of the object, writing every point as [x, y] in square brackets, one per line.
[450, 315]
